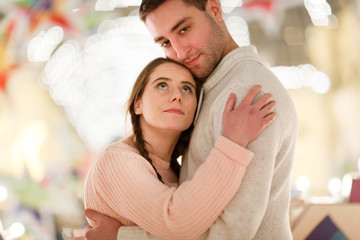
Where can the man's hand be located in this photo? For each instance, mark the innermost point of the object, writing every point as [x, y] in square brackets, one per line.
[106, 228]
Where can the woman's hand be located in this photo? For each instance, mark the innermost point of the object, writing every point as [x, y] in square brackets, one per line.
[244, 123]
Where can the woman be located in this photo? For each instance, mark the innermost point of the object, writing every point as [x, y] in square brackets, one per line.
[135, 181]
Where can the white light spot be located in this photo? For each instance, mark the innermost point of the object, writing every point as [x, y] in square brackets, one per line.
[16, 230]
[3, 193]
[303, 183]
[42, 45]
[320, 82]
[334, 186]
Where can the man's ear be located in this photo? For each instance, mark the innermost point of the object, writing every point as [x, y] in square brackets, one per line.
[137, 107]
[214, 9]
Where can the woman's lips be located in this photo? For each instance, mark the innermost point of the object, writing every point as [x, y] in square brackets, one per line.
[174, 110]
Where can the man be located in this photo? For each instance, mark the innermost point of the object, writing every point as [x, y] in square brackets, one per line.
[193, 33]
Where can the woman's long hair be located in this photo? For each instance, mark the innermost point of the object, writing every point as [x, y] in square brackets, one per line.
[136, 94]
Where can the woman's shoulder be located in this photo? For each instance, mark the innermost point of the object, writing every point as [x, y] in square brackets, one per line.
[120, 154]
[121, 157]
[121, 148]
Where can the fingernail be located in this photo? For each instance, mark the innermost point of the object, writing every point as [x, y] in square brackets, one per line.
[87, 212]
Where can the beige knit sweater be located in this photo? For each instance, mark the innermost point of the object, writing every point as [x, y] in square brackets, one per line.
[260, 209]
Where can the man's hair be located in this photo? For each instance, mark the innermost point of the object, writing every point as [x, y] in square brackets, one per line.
[147, 6]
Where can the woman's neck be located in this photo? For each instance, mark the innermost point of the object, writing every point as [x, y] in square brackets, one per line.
[160, 143]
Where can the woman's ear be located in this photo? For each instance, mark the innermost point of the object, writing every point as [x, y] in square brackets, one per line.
[137, 107]
[214, 9]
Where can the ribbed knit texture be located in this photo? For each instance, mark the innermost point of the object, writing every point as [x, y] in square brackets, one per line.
[123, 185]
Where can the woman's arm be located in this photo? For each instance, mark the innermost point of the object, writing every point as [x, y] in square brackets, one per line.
[129, 186]
[132, 190]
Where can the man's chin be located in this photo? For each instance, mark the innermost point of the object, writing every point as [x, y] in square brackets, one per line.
[200, 74]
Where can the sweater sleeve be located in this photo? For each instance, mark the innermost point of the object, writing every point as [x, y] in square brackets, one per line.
[264, 196]
[129, 186]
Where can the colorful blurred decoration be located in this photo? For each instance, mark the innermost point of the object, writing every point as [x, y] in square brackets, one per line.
[22, 19]
[267, 6]
[39, 11]
[42, 160]
[5, 64]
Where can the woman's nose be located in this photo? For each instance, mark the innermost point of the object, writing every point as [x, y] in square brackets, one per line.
[176, 96]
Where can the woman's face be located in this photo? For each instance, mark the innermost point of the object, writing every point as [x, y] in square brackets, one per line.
[169, 99]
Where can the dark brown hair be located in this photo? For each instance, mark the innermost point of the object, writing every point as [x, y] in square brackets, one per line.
[147, 6]
[136, 94]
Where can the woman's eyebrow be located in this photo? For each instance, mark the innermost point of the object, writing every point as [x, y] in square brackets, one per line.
[190, 83]
[161, 79]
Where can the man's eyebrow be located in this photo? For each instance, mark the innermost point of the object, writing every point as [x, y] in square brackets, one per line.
[181, 21]
[176, 26]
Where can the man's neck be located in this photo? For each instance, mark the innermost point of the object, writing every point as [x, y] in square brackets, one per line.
[231, 45]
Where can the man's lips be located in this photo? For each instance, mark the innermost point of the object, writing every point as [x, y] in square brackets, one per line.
[174, 110]
[192, 61]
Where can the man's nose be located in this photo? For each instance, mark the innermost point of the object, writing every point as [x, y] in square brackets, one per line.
[181, 49]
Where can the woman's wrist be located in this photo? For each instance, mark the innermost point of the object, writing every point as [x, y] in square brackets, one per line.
[238, 140]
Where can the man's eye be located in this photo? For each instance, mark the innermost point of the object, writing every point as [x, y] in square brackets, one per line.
[183, 30]
[165, 44]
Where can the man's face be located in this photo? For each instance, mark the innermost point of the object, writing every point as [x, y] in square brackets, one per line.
[188, 35]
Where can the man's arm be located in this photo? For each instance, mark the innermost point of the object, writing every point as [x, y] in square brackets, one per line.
[259, 210]
[106, 228]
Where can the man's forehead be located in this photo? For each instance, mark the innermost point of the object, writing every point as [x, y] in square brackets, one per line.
[167, 17]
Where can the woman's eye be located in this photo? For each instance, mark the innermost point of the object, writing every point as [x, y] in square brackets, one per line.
[187, 89]
[162, 86]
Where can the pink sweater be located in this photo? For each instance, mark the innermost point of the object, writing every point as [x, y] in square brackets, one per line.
[123, 185]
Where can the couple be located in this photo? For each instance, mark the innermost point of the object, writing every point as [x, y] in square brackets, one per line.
[135, 182]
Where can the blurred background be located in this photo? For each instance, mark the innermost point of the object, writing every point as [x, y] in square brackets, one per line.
[67, 66]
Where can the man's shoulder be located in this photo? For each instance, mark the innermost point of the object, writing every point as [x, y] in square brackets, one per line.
[245, 54]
